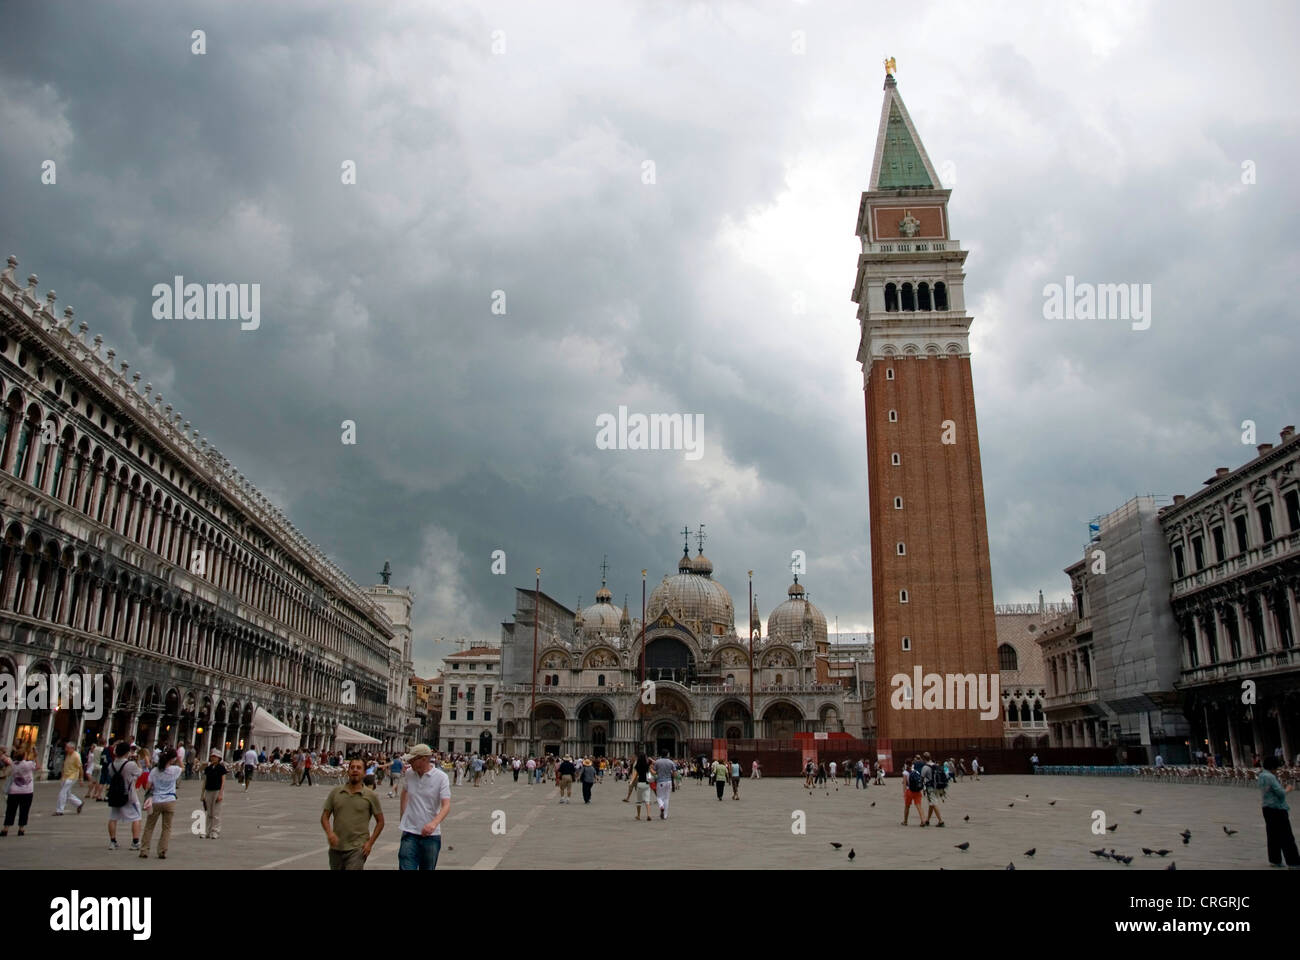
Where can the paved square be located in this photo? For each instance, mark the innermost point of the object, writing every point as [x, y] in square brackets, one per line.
[276, 826]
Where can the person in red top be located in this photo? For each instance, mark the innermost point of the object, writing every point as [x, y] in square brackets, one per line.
[306, 767]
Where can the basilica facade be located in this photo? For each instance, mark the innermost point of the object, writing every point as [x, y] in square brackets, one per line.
[603, 686]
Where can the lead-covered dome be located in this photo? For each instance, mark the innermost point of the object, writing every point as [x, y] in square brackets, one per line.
[787, 621]
[602, 618]
[693, 595]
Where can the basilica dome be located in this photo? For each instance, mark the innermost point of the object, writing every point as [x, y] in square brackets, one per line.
[602, 617]
[693, 595]
[787, 620]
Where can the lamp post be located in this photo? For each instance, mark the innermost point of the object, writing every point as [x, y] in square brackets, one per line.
[532, 711]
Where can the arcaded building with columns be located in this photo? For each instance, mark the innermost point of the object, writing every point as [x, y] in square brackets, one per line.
[589, 672]
[1234, 552]
[134, 552]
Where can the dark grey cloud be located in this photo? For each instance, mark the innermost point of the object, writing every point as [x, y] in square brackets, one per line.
[1100, 142]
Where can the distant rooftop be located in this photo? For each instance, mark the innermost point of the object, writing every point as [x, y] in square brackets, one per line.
[474, 652]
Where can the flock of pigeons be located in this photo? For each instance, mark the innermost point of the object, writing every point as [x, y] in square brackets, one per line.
[1102, 854]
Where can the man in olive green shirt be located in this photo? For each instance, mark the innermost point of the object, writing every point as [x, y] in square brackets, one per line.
[352, 806]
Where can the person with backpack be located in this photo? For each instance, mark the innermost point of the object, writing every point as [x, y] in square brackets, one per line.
[935, 779]
[123, 804]
[913, 785]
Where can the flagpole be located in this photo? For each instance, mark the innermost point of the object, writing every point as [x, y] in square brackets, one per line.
[532, 713]
[640, 710]
[752, 726]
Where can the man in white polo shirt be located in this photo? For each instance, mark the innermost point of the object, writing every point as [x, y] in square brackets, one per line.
[426, 801]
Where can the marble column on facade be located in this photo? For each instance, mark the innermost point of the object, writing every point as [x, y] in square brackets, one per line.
[43, 741]
[1234, 740]
[1256, 733]
[97, 601]
[1271, 641]
[8, 723]
[1287, 755]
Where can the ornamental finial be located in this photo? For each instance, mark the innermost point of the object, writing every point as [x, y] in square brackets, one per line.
[890, 67]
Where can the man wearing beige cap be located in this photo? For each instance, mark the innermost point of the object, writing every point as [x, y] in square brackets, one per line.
[426, 801]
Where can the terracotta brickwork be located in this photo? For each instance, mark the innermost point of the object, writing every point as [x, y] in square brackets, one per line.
[942, 525]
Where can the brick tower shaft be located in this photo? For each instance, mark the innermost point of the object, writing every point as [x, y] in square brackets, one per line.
[932, 587]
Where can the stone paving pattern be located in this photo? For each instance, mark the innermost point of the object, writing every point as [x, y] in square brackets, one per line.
[276, 826]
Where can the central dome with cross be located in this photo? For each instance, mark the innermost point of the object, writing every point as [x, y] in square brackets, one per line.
[693, 597]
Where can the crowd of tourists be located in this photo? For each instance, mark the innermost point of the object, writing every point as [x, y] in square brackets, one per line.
[139, 786]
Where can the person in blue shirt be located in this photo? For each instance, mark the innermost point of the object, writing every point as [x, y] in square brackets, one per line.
[1277, 820]
[394, 775]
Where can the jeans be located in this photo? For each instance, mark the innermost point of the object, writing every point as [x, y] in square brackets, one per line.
[586, 792]
[721, 785]
[418, 853]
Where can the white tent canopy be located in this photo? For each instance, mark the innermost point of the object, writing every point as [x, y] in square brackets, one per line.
[345, 734]
[270, 733]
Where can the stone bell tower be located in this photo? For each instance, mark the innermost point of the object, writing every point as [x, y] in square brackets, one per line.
[931, 582]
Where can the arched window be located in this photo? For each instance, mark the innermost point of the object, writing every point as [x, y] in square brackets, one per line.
[909, 298]
[940, 296]
[923, 296]
[778, 679]
[1039, 716]
[555, 679]
[907, 643]
[600, 680]
[893, 416]
[902, 549]
[1007, 659]
[902, 596]
[891, 298]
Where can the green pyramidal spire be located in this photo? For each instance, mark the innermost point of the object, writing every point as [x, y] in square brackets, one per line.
[901, 161]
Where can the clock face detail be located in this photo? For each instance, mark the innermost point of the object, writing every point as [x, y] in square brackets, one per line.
[909, 226]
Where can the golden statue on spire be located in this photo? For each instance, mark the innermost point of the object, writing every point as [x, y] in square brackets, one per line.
[889, 66]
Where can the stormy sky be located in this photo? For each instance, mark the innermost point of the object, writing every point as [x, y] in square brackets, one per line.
[665, 194]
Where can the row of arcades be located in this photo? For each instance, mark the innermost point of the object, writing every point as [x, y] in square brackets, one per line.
[597, 727]
[147, 712]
